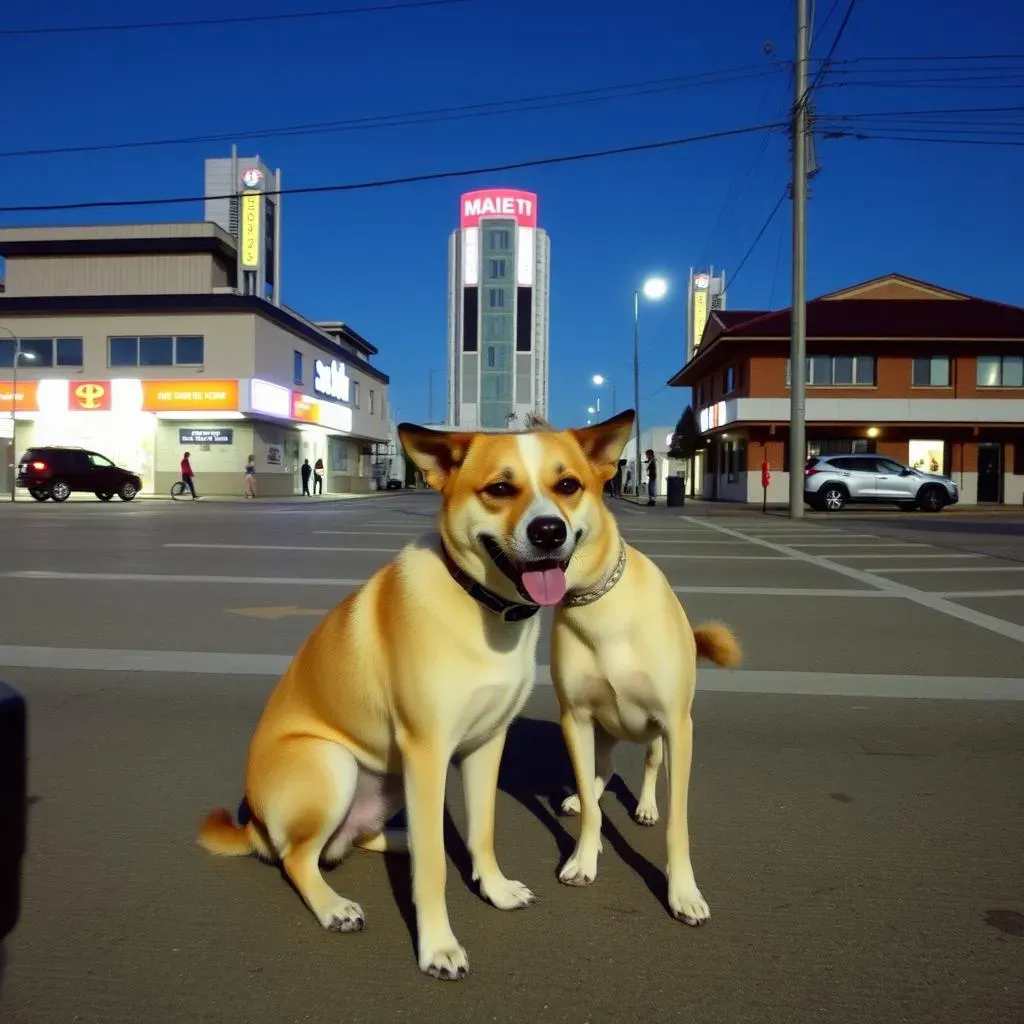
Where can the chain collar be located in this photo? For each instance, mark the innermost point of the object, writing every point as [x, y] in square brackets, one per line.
[584, 597]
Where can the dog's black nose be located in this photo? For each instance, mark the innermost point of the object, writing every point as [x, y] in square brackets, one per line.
[547, 533]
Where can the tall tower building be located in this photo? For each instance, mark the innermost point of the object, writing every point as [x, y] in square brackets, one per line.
[237, 201]
[498, 301]
[704, 294]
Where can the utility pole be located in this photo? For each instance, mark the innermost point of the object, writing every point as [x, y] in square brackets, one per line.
[798, 313]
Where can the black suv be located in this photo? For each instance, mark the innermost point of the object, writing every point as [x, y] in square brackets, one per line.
[56, 472]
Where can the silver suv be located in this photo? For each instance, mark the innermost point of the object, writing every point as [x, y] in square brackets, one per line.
[831, 482]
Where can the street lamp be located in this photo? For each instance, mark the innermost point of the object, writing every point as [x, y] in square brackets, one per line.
[18, 354]
[654, 288]
[598, 380]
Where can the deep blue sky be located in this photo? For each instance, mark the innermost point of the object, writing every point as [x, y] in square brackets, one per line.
[953, 215]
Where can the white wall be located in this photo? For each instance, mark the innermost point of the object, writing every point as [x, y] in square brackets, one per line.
[274, 356]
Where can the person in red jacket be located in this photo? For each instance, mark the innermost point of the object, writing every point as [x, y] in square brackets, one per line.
[187, 476]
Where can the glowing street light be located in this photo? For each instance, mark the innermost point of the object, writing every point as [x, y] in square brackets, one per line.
[654, 288]
[599, 381]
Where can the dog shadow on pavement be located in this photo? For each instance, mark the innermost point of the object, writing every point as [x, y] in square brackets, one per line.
[535, 771]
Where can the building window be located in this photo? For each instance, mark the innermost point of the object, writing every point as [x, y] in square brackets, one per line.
[156, 350]
[497, 270]
[373, 402]
[838, 371]
[69, 351]
[39, 352]
[496, 298]
[930, 372]
[470, 303]
[497, 328]
[524, 319]
[730, 379]
[497, 357]
[355, 393]
[297, 367]
[1000, 371]
[499, 240]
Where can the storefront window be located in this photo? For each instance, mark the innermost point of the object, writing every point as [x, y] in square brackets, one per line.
[928, 456]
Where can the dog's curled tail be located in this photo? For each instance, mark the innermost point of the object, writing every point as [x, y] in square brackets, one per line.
[718, 644]
[219, 835]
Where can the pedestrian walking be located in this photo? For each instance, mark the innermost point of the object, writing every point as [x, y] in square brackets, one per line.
[307, 472]
[188, 477]
[652, 475]
[318, 476]
[249, 476]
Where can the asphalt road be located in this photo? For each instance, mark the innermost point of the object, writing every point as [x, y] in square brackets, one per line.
[857, 787]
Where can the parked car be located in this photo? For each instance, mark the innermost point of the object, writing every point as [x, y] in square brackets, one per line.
[831, 482]
[57, 472]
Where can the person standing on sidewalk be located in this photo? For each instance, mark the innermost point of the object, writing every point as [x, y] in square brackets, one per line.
[652, 476]
[187, 476]
[250, 477]
[306, 471]
[318, 476]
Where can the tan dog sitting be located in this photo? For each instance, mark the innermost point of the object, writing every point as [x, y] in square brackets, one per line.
[433, 657]
[624, 665]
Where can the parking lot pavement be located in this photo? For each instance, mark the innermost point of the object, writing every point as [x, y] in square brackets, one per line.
[859, 844]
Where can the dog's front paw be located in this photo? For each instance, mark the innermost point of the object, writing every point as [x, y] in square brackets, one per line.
[646, 813]
[571, 805]
[344, 916]
[448, 962]
[579, 869]
[506, 894]
[688, 906]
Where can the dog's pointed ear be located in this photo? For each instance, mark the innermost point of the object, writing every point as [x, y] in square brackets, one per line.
[603, 442]
[436, 453]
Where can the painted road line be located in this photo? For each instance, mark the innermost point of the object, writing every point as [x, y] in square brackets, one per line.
[877, 554]
[822, 684]
[43, 576]
[956, 568]
[281, 547]
[981, 593]
[880, 543]
[128, 577]
[921, 597]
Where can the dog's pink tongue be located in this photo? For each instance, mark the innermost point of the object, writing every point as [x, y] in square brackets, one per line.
[545, 586]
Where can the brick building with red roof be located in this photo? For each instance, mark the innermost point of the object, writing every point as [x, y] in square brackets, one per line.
[928, 376]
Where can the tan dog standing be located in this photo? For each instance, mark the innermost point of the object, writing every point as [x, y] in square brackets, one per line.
[624, 664]
[434, 656]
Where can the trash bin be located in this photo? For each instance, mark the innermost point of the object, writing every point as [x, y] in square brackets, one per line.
[675, 496]
[13, 805]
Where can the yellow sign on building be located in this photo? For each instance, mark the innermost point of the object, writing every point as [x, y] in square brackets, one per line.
[250, 229]
[700, 315]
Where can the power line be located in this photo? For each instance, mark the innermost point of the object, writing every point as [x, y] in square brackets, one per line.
[412, 178]
[544, 101]
[862, 136]
[759, 236]
[240, 19]
[831, 52]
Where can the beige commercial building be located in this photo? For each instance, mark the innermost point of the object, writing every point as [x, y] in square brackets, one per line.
[136, 342]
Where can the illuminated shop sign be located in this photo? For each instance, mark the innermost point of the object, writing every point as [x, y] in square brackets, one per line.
[199, 436]
[271, 399]
[330, 379]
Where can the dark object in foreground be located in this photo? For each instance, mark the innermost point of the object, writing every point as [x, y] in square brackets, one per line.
[13, 804]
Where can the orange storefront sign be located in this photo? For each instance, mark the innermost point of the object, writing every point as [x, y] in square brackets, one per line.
[27, 400]
[185, 396]
[303, 408]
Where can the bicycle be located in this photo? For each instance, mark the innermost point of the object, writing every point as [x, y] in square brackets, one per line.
[179, 490]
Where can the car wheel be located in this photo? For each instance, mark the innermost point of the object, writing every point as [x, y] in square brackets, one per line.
[38, 493]
[931, 500]
[60, 491]
[127, 491]
[833, 498]
[103, 495]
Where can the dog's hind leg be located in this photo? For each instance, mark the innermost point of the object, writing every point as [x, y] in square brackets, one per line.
[304, 793]
[647, 807]
[391, 840]
[604, 745]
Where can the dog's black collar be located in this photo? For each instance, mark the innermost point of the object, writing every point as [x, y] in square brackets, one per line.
[507, 611]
